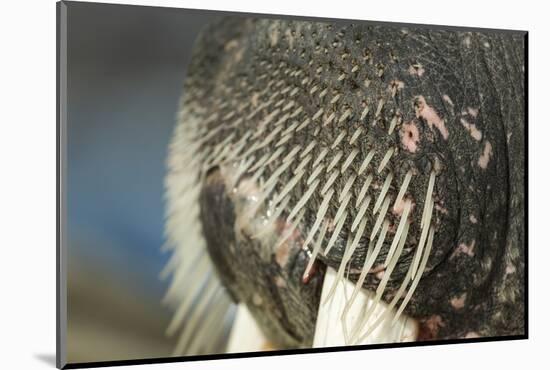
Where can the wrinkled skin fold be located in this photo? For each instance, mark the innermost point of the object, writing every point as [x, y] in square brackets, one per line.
[300, 134]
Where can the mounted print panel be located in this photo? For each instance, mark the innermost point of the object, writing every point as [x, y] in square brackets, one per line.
[240, 185]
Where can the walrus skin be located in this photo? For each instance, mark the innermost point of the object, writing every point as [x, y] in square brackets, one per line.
[455, 100]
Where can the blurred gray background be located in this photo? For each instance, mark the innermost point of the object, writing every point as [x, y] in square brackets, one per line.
[126, 67]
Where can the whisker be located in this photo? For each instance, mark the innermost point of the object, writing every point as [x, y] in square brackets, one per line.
[315, 173]
[303, 124]
[365, 163]
[260, 162]
[347, 187]
[275, 175]
[317, 114]
[303, 164]
[282, 120]
[308, 149]
[389, 309]
[429, 192]
[255, 178]
[371, 261]
[319, 218]
[288, 187]
[418, 276]
[380, 218]
[330, 181]
[349, 159]
[269, 138]
[403, 189]
[393, 123]
[219, 147]
[364, 189]
[302, 202]
[394, 259]
[385, 160]
[364, 113]
[342, 207]
[288, 106]
[338, 139]
[335, 160]
[368, 263]
[275, 155]
[383, 192]
[316, 248]
[347, 256]
[321, 156]
[361, 213]
[422, 239]
[290, 128]
[265, 122]
[403, 222]
[336, 232]
[297, 110]
[382, 285]
[287, 233]
[283, 140]
[355, 135]
[379, 107]
[344, 116]
[292, 153]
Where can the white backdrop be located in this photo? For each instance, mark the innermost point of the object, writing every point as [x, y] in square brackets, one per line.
[27, 181]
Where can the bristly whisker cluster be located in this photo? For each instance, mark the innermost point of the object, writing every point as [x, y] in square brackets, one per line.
[354, 170]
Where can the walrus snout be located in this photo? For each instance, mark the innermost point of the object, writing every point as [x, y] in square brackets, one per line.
[380, 152]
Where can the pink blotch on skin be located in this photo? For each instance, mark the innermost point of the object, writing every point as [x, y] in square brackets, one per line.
[474, 132]
[510, 269]
[410, 136]
[464, 248]
[458, 302]
[376, 269]
[486, 156]
[429, 114]
[282, 254]
[473, 219]
[400, 206]
[441, 209]
[433, 323]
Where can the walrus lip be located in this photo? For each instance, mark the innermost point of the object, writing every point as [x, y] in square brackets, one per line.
[364, 319]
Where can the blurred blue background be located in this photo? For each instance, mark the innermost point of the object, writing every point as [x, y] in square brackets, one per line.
[126, 67]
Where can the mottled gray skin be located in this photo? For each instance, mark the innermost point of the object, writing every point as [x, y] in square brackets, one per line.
[472, 82]
[285, 308]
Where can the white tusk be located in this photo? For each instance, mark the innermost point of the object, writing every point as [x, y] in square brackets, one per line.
[330, 328]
